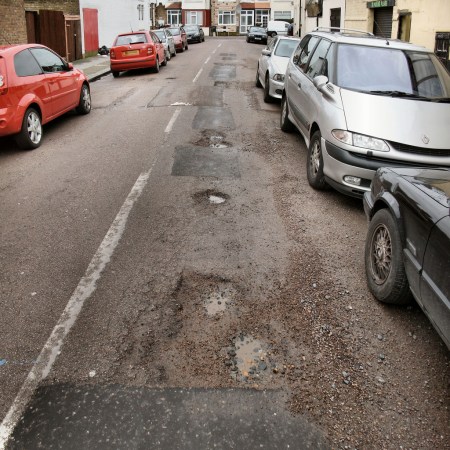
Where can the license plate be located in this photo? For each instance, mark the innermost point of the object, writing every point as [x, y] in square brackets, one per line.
[257, 38]
[131, 52]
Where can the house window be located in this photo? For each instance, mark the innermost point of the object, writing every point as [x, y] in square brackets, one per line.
[140, 9]
[227, 17]
[174, 16]
[261, 17]
[282, 15]
[194, 18]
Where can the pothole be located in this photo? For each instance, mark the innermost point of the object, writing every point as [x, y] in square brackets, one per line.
[211, 197]
[219, 298]
[249, 360]
[213, 139]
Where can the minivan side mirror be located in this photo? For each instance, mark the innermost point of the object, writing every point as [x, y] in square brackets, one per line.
[266, 52]
[320, 81]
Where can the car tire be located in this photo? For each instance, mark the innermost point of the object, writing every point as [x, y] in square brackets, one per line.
[267, 96]
[174, 52]
[248, 40]
[257, 81]
[314, 163]
[156, 68]
[182, 48]
[273, 34]
[30, 135]
[168, 55]
[84, 107]
[385, 272]
[115, 74]
[187, 47]
[285, 124]
[164, 63]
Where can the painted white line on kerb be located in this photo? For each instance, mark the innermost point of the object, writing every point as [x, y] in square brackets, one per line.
[83, 291]
[172, 121]
[198, 74]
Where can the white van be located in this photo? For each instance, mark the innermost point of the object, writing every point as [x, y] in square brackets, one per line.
[275, 27]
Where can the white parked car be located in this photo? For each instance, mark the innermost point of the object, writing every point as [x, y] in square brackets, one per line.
[272, 66]
[166, 38]
[363, 102]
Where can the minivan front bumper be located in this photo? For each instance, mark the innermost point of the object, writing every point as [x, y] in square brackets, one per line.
[339, 163]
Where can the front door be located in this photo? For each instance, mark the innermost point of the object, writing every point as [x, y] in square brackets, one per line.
[247, 20]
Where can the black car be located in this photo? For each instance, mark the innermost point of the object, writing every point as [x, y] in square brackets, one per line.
[194, 33]
[408, 241]
[257, 34]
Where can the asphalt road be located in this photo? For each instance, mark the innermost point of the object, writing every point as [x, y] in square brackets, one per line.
[169, 280]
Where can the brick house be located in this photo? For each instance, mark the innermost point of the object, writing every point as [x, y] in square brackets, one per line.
[13, 28]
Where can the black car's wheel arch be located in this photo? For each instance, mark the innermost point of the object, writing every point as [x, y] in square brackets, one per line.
[388, 201]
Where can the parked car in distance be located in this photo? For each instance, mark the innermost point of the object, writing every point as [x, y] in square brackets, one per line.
[136, 50]
[194, 33]
[180, 38]
[166, 38]
[408, 242]
[272, 66]
[257, 34]
[36, 86]
[362, 102]
[277, 27]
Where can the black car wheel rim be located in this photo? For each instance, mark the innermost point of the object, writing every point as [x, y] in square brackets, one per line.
[381, 254]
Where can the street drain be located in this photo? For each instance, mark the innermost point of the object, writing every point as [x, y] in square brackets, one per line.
[219, 298]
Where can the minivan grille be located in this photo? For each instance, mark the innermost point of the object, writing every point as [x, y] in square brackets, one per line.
[420, 150]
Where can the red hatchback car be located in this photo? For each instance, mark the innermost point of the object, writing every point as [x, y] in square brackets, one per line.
[36, 86]
[137, 50]
[180, 38]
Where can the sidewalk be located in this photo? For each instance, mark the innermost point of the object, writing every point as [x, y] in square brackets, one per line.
[94, 67]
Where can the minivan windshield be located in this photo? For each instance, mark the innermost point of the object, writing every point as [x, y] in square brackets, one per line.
[392, 72]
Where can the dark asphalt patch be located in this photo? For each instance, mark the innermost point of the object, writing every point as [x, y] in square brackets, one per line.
[213, 118]
[113, 417]
[207, 96]
[206, 162]
[223, 72]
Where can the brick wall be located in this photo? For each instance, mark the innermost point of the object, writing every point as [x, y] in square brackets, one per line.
[71, 7]
[13, 29]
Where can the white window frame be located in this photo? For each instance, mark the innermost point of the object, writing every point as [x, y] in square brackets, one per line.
[230, 14]
[194, 17]
[174, 13]
[140, 9]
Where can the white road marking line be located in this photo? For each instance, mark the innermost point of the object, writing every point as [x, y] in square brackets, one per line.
[198, 74]
[172, 120]
[83, 291]
[214, 51]
[207, 60]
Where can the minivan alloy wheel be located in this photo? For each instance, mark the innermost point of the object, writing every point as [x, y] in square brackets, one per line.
[314, 163]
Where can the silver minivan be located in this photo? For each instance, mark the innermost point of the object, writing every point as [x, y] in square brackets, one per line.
[363, 102]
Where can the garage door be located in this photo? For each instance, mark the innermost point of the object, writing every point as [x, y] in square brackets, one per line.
[382, 25]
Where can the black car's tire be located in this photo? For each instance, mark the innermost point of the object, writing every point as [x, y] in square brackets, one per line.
[30, 135]
[267, 97]
[248, 40]
[273, 34]
[156, 68]
[285, 124]
[257, 82]
[84, 107]
[314, 163]
[115, 74]
[385, 272]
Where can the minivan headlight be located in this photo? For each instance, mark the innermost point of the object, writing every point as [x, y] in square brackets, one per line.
[278, 77]
[360, 140]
